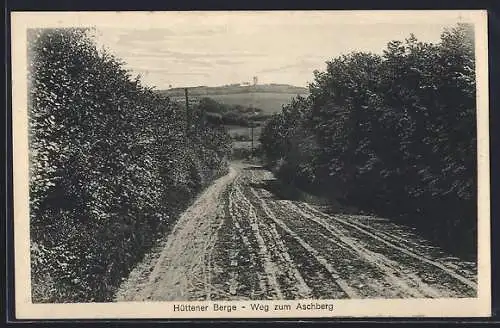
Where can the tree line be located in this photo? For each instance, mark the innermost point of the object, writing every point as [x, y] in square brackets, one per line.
[111, 165]
[393, 133]
[225, 114]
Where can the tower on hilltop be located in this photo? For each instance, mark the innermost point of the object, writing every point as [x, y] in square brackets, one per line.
[255, 80]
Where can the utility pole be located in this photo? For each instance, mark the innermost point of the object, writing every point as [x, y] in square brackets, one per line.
[188, 114]
[252, 117]
[251, 129]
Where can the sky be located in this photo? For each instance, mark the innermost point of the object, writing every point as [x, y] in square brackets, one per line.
[212, 50]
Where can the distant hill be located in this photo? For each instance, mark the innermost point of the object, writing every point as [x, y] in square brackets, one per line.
[268, 97]
[232, 89]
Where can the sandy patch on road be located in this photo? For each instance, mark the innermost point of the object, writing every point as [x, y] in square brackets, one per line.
[178, 271]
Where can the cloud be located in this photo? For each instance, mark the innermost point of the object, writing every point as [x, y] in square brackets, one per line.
[166, 60]
[205, 74]
[303, 64]
[162, 52]
[228, 62]
[233, 48]
[154, 57]
[133, 37]
[279, 69]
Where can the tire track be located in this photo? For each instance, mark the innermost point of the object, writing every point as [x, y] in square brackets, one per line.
[407, 282]
[358, 274]
[351, 293]
[401, 249]
[236, 214]
[174, 273]
[238, 241]
[291, 279]
[388, 267]
[394, 269]
[404, 243]
[270, 267]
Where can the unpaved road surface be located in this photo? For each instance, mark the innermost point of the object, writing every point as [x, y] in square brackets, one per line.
[241, 241]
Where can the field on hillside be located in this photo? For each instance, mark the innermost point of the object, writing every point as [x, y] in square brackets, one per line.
[246, 144]
[269, 102]
[235, 130]
[231, 89]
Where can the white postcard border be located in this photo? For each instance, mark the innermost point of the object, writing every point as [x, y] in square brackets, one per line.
[25, 309]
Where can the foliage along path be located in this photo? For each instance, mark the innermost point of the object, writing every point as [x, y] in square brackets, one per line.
[239, 241]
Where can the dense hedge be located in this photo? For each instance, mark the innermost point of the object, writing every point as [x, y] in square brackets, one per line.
[111, 166]
[394, 133]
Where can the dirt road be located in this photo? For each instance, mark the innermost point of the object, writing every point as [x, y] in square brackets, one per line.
[240, 241]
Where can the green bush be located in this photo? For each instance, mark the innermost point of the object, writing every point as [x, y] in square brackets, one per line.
[394, 133]
[110, 166]
[219, 113]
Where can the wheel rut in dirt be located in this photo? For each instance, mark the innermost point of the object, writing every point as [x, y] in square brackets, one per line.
[239, 241]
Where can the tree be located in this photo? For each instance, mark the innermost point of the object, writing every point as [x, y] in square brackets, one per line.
[109, 169]
[395, 133]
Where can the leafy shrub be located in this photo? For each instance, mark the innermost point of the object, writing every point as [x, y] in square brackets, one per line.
[220, 113]
[394, 133]
[111, 165]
